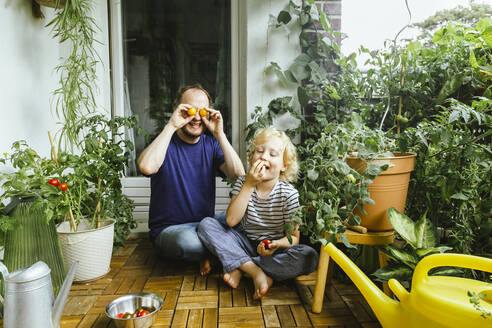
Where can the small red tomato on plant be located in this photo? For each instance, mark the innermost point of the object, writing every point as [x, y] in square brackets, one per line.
[266, 243]
[54, 182]
[63, 186]
[203, 112]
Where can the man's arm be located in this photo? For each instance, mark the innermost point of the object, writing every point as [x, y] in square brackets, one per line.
[232, 166]
[151, 158]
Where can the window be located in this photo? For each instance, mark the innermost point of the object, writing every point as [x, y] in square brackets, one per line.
[165, 45]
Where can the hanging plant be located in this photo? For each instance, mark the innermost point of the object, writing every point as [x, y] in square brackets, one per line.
[74, 98]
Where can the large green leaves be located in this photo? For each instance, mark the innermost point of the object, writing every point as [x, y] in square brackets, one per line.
[393, 271]
[403, 225]
[425, 233]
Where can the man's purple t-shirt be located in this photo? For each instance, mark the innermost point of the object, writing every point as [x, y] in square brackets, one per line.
[183, 190]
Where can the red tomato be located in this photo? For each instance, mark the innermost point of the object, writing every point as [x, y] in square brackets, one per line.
[119, 315]
[203, 112]
[54, 182]
[192, 111]
[142, 313]
[266, 243]
[63, 186]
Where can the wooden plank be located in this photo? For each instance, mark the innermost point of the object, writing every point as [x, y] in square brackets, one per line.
[225, 295]
[357, 308]
[195, 318]
[270, 316]
[102, 321]
[163, 319]
[170, 301]
[78, 305]
[180, 319]
[212, 282]
[285, 316]
[241, 317]
[280, 296]
[125, 285]
[300, 315]
[70, 321]
[200, 283]
[88, 320]
[239, 297]
[197, 299]
[210, 318]
[188, 282]
[138, 285]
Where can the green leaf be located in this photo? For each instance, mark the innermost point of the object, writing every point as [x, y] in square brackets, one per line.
[422, 252]
[399, 272]
[425, 233]
[449, 87]
[284, 17]
[312, 175]
[403, 225]
[401, 255]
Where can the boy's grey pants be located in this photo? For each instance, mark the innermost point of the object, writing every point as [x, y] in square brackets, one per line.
[233, 249]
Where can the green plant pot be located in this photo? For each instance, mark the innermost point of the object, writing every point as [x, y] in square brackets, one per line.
[33, 240]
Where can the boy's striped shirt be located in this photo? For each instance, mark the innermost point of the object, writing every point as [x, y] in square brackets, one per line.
[265, 217]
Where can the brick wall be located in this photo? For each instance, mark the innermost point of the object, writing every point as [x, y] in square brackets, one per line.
[333, 11]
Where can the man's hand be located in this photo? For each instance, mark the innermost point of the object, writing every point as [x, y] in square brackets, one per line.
[261, 250]
[180, 117]
[214, 122]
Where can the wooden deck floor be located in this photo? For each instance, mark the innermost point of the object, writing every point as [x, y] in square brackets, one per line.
[194, 301]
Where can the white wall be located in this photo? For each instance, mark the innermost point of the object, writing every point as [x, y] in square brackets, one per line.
[28, 56]
[263, 47]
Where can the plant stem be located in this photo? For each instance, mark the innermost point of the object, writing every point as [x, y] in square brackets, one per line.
[402, 81]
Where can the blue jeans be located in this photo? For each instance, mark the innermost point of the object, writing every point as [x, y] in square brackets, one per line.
[181, 242]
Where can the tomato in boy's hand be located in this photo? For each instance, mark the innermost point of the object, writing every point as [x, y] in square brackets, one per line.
[203, 112]
[192, 111]
[266, 243]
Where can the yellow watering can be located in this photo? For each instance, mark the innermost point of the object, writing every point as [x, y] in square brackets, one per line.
[434, 301]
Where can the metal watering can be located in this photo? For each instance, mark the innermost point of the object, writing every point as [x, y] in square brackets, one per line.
[434, 301]
[29, 297]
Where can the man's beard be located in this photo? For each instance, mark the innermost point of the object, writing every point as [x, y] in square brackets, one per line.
[190, 135]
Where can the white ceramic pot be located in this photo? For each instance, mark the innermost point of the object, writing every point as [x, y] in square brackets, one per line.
[92, 248]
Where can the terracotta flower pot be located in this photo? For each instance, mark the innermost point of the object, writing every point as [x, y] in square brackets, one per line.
[389, 189]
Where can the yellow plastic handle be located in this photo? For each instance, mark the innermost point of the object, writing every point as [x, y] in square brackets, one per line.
[456, 260]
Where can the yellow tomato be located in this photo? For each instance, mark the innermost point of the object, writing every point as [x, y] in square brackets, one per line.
[203, 112]
[192, 111]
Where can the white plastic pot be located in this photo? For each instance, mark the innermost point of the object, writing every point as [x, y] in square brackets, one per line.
[92, 248]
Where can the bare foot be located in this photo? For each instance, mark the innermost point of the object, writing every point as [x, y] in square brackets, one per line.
[233, 278]
[262, 283]
[205, 267]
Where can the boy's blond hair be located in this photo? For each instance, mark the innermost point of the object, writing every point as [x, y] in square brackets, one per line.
[290, 154]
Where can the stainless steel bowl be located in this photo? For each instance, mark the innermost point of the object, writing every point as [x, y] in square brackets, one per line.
[131, 302]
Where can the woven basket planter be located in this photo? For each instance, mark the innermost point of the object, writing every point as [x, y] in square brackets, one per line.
[92, 248]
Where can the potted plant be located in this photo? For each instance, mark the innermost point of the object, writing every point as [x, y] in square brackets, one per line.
[28, 204]
[419, 240]
[93, 195]
[335, 192]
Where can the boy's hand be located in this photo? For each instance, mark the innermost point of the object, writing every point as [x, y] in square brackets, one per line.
[256, 172]
[180, 116]
[272, 247]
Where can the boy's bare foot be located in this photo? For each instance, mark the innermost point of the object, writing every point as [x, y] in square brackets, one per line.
[233, 278]
[262, 283]
[205, 267]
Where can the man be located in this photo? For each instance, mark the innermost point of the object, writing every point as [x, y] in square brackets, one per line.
[183, 162]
